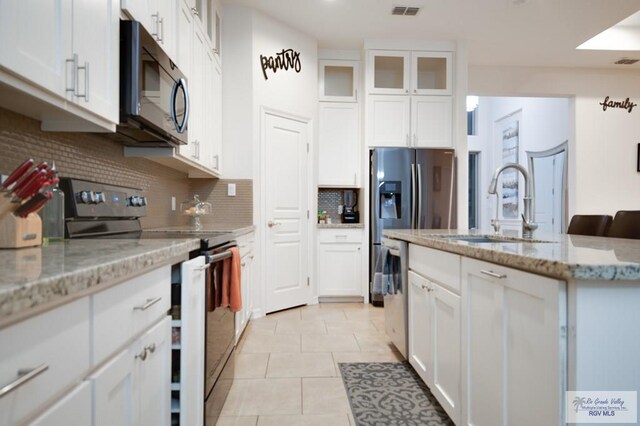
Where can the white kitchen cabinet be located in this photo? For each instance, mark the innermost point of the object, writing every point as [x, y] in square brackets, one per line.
[213, 112]
[71, 62]
[191, 325]
[512, 346]
[37, 56]
[74, 409]
[444, 376]
[431, 122]
[153, 375]
[113, 391]
[388, 121]
[158, 18]
[134, 387]
[340, 262]
[338, 80]
[431, 73]
[419, 325]
[246, 248]
[434, 323]
[399, 72]
[184, 30]
[339, 144]
[388, 72]
[197, 95]
[52, 349]
[409, 121]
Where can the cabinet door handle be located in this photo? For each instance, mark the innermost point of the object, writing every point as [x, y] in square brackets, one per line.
[150, 303]
[406, 91]
[24, 377]
[84, 95]
[156, 17]
[142, 355]
[74, 78]
[151, 348]
[195, 11]
[493, 274]
[162, 30]
[356, 94]
[415, 91]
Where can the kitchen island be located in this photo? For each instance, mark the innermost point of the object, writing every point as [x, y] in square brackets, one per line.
[499, 328]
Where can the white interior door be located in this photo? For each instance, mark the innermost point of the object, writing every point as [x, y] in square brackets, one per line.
[549, 191]
[286, 228]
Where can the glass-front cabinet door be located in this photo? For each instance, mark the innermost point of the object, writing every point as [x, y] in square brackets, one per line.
[389, 72]
[338, 81]
[431, 73]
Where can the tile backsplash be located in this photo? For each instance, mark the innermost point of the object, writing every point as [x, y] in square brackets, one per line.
[95, 157]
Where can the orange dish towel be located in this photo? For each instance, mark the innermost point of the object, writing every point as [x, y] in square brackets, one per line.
[231, 288]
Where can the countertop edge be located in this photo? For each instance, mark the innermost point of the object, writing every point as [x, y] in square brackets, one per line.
[546, 267]
[38, 295]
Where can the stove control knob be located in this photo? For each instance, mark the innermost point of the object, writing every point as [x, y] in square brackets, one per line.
[100, 198]
[84, 197]
[143, 201]
[134, 201]
[92, 197]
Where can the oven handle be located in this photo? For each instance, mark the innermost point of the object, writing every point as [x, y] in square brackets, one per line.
[394, 252]
[218, 256]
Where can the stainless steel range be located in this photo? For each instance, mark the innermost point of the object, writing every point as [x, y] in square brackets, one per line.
[96, 210]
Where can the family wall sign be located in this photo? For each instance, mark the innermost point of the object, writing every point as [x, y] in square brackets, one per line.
[626, 104]
[285, 60]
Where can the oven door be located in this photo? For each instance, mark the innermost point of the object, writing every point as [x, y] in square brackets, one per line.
[219, 339]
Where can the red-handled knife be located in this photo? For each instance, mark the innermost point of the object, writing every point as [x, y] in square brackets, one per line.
[32, 187]
[18, 173]
[34, 204]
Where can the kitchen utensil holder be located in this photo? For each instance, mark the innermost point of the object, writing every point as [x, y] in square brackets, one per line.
[17, 232]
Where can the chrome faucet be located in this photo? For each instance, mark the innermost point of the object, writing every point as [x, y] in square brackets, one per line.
[528, 226]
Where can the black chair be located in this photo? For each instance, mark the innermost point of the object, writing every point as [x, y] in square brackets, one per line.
[626, 224]
[593, 224]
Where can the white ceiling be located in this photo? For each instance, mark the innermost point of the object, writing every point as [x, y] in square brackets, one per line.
[497, 32]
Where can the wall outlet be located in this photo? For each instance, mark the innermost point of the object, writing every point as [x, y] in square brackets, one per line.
[173, 204]
[231, 190]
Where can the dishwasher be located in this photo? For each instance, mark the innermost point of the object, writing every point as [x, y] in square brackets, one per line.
[395, 305]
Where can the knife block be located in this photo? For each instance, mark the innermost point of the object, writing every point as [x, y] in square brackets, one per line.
[17, 232]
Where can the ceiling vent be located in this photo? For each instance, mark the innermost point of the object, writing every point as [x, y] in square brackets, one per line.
[405, 11]
[626, 61]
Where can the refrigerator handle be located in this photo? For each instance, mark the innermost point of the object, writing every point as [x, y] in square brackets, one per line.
[419, 180]
[413, 196]
[453, 183]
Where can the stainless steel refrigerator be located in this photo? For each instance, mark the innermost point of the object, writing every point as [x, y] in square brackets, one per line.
[410, 188]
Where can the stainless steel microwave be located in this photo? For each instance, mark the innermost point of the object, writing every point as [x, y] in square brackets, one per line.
[154, 94]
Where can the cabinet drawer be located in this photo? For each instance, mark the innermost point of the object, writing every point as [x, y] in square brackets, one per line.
[340, 235]
[57, 341]
[436, 265]
[127, 309]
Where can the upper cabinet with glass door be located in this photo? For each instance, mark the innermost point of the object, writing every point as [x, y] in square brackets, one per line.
[405, 73]
[338, 81]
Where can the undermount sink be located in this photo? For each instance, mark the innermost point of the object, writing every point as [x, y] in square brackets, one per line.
[490, 239]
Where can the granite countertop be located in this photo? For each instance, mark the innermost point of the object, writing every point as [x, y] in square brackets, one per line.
[340, 225]
[36, 278]
[559, 255]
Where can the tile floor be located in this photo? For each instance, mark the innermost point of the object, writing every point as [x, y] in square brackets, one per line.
[286, 365]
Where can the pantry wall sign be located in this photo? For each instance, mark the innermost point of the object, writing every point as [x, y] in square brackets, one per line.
[626, 104]
[285, 60]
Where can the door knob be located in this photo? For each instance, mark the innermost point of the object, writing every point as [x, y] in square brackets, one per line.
[271, 224]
